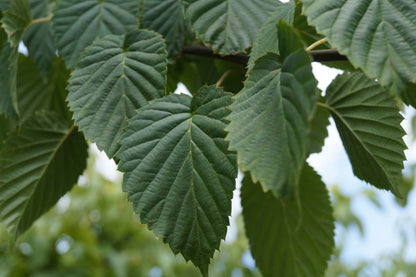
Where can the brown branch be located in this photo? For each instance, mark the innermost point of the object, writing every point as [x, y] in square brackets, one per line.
[328, 55]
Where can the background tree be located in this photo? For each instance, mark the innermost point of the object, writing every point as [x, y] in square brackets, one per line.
[179, 153]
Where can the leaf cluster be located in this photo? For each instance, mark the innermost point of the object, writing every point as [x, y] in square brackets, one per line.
[106, 71]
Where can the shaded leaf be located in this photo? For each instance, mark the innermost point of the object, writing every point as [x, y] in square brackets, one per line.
[37, 93]
[289, 237]
[228, 26]
[116, 76]
[374, 35]
[368, 122]
[267, 37]
[178, 171]
[409, 95]
[15, 21]
[270, 120]
[29, 162]
[38, 38]
[78, 23]
[167, 18]
[6, 104]
[319, 129]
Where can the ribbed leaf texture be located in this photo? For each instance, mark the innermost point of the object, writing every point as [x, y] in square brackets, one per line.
[377, 36]
[167, 18]
[229, 26]
[270, 119]
[78, 23]
[290, 237]
[38, 38]
[267, 39]
[39, 163]
[178, 171]
[368, 122]
[116, 76]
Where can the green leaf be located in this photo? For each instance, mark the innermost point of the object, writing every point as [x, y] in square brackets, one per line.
[4, 5]
[290, 237]
[167, 18]
[29, 162]
[116, 76]
[37, 93]
[319, 129]
[39, 39]
[377, 36]
[179, 173]
[368, 122]
[78, 23]
[267, 38]
[306, 32]
[6, 104]
[270, 120]
[229, 26]
[15, 21]
[409, 95]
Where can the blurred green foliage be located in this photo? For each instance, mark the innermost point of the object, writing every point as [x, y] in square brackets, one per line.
[93, 232]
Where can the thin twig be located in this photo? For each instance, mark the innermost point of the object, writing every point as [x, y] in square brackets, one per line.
[40, 20]
[316, 44]
[326, 55]
[223, 77]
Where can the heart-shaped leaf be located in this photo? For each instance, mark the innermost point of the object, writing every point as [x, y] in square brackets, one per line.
[116, 76]
[178, 171]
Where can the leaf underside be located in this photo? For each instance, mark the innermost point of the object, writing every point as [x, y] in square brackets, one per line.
[368, 121]
[178, 171]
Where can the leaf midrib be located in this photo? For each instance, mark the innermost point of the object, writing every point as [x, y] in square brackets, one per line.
[59, 145]
[334, 112]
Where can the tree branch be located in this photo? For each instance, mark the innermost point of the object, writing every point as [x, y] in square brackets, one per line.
[328, 55]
